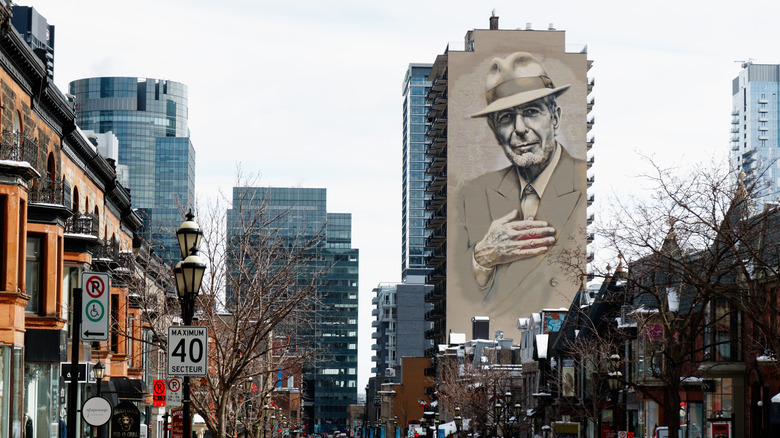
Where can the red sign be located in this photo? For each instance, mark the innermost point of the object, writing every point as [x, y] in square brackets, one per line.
[721, 430]
[177, 423]
[158, 394]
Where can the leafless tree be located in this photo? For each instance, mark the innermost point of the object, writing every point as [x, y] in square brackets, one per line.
[696, 252]
[475, 388]
[259, 300]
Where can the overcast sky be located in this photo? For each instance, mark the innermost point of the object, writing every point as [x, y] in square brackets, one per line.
[308, 93]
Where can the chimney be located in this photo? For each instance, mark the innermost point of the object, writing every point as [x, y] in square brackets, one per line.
[494, 21]
[480, 327]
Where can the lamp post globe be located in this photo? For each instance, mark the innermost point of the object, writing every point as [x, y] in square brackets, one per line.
[189, 235]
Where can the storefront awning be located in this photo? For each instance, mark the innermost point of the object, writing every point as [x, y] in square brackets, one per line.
[123, 388]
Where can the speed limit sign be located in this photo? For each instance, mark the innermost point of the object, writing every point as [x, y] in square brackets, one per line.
[187, 351]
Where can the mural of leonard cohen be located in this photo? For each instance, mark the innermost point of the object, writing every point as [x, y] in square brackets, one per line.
[512, 221]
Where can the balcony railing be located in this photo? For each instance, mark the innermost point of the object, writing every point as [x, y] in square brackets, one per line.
[109, 250]
[14, 147]
[46, 191]
[82, 223]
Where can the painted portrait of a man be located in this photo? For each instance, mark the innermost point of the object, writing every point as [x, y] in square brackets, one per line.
[510, 224]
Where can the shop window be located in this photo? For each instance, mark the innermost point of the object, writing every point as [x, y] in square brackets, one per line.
[34, 273]
[40, 417]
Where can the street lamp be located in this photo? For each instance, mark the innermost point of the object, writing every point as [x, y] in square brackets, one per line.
[615, 378]
[248, 384]
[99, 371]
[496, 415]
[265, 416]
[458, 420]
[188, 274]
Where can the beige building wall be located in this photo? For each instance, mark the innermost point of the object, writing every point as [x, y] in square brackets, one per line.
[473, 151]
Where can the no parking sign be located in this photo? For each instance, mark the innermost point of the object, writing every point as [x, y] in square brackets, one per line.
[158, 396]
[95, 306]
[173, 395]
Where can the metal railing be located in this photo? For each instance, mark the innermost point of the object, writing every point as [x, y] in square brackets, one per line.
[47, 191]
[14, 147]
[82, 223]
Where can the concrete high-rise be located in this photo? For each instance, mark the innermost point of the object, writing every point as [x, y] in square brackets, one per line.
[399, 326]
[482, 157]
[755, 131]
[149, 119]
[414, 254]
[329, 381]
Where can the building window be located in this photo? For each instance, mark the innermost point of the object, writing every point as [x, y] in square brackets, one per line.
[34, 273]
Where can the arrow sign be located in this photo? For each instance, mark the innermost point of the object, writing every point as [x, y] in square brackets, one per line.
[95, 306]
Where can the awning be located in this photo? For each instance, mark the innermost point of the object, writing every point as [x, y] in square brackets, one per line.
[122, 388]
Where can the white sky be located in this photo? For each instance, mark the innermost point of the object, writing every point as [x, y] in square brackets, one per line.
[308, 93]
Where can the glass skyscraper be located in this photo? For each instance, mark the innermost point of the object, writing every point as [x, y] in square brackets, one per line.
[754, 129]
[330, 381]
[414, 179]
[149, 119]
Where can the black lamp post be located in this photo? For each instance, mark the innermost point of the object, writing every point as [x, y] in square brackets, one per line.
[496, 415]
[615, 377]
[99, 369]
[248, 383]
[458, 421]
[188, 274]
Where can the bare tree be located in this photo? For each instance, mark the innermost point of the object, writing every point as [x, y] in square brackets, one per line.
[695, 250]
[260, 297]
[475, 388]
[259, 300]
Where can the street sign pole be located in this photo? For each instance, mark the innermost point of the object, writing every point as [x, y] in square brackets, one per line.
[74, 363]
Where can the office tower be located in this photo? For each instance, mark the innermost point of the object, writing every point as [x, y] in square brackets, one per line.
[38, 34]
[755, 131]
[414, 253]
[399, 326]
[480, 96]
[149, 118]
[330, 381]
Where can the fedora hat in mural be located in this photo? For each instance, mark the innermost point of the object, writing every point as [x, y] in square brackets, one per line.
[517, 79]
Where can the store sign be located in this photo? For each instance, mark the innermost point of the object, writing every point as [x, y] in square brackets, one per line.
[85, 371]
[96, 411]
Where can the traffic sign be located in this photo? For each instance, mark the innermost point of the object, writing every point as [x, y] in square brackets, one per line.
[158, 397]
[95, 306]
[187, 350]
[173, 394]
[96, 411]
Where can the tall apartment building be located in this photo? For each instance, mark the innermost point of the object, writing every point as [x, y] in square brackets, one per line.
[149, 118]
[471, 181]
[414, 253]
[399, 327]
[329, 382]
[754, 129]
